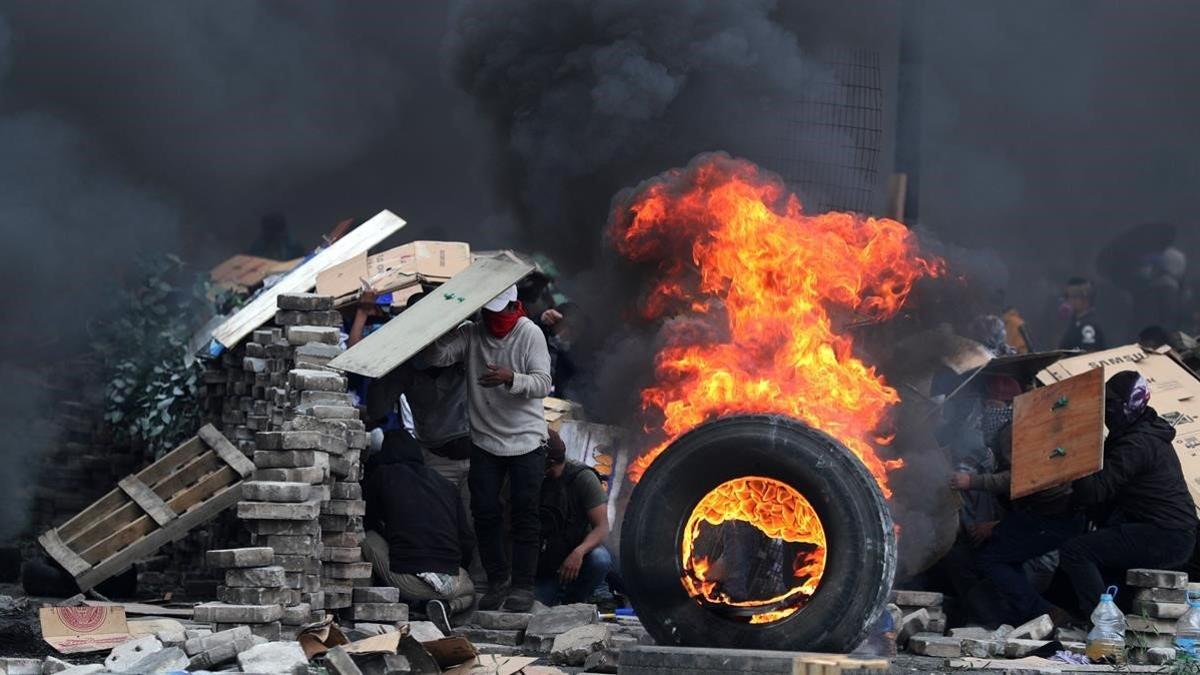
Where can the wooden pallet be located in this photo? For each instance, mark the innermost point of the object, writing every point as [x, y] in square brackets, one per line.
[189, 486]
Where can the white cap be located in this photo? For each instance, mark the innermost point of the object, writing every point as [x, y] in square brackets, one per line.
[501, 301]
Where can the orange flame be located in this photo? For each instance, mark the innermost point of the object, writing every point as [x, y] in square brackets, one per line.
[780, 513]
[765, 286]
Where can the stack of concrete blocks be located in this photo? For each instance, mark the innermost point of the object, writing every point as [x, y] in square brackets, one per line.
[921, 607]
[377, 609]
[254, 594]
[1159, 599]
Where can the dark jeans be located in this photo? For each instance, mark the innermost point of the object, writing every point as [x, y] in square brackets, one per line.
[1017, 538]
[596, 564]
[1119, 548]
[486, 479]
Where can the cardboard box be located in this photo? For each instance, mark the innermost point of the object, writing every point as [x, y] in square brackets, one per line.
[75, 630]
[433, 260]
[343, 278]
[1174, 393]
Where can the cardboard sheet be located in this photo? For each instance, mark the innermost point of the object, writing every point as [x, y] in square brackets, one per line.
[1174, 393]
[76, 630]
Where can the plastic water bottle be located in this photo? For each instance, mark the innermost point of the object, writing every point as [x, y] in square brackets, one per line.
[1106, 641]
[1187, 630]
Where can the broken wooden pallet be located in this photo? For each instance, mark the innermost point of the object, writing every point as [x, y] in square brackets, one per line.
[189, 486]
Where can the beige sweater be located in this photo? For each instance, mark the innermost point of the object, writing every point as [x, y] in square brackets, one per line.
[505, 421]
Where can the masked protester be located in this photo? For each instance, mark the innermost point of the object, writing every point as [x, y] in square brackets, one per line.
[1140, 499]
[1079, 304]
[508, 375]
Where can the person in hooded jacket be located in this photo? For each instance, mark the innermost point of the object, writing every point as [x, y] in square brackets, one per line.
[508, 375]
[418, 538]
[1140, 499]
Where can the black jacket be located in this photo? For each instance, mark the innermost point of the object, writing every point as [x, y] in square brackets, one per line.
[418, 512]
[1141, 480]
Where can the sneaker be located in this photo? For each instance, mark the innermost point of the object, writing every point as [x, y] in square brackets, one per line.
[439, 615]
[519, 600]
[495, 596]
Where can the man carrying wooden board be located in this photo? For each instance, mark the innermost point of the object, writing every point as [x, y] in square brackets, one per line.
[508, 375]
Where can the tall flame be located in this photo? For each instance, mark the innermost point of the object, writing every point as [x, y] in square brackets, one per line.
[766, 287]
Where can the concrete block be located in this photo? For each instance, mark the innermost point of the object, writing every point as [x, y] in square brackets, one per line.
[1160, 656]
[1034, 629]
[316, 600]
[385, 664]
[553, 621]
[333, 412]
[258, 577]
[347, 570]
[296, 615]
[300, 544]
[511, 638]
[916, 598]
[239, 557]
[425, 631]
[339, 554]
[377, 594]
[171, 638]
[1144, 578]
[338, 662]
[290, 459]
[292, 317]
[125, 656]
[299, 440]
[603, 661]
[1069, 634]
[935, 645]
[305, 474]
[316, 380]
[202, 643]
[220, 612]
[911, 624]
[392, 612]
[1145, 640]
[289, 527]
[341, 539]
[272, 491]
[1159, 610]
[298, 335]
[260, 632]
[166, 660]
[497, 620]
[276, 511]
[1018, 648]
[255, 596]
[304, 302]
[305, 564]
[273, 657]
[222, 652]
[53, 665]
[344, 507]
[1142, 624]
[980, 649]
[1175, 596]
[312, 397]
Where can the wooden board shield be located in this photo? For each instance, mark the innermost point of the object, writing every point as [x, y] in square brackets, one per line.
[1058, 433]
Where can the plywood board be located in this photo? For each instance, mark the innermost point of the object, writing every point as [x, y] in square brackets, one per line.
[1174, 393]
[1058, 433]
[434, 316]
[303, 278]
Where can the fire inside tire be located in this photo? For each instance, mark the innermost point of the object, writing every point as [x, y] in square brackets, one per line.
[758, 532]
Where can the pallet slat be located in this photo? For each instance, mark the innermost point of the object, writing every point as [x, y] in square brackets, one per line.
[144, 497]
[70, 561]
[225, 450]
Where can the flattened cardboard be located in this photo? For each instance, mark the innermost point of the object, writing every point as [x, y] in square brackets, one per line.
[248, 271]
[492, 664]
[376, 644]
[343, 278]
[77, 630]
[450, 651]
[1174, 393]
[1058, 433]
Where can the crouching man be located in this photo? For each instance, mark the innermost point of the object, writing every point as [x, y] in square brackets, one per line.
[572, 561]
[418, 537]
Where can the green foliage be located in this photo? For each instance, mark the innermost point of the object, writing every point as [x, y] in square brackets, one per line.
[152, 374]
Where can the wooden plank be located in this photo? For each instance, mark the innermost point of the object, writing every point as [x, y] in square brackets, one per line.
[176, 529]
[1058, 433]
[170, 462]
[70, 560]
[143, 526]
[144, 497]
[1034, 664]
[144, 609]
[435, 315]
[225, 450]
[129, 512]
[304, 277]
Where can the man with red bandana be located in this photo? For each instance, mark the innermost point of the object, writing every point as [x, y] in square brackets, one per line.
[508, 375]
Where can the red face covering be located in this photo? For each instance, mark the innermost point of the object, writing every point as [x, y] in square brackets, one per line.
[501, 323]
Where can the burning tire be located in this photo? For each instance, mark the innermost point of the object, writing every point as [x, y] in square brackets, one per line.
[758, 532]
